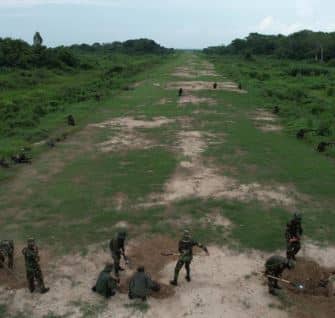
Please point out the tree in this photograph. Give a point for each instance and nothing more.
(38, 41)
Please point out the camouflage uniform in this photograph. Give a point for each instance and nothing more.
(293, 234)
(106, 284)
(33, 269)
(117, 249)
(7, 251)
(141, 285)
(180, 92)
(275, 266)
(185, 248)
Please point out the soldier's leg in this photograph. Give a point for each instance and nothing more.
(2, 260)
(31, 281)
(40, 280)
(272, 283)
(290, 251)
(116, 260)
(11, 260)
(188, 271)
(296, 248)
(177, 269)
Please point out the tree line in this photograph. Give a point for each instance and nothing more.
(301, 45)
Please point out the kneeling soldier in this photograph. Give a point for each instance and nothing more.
(185, 248)
(141, 285)
(275, 266)
(106, 284)
(33, 268)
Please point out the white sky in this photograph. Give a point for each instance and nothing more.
(173, 23)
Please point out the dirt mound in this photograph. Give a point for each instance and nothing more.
(313, 300)
(311, 275)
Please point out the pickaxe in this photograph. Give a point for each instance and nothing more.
(295, 285)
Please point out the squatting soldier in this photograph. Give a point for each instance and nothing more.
(70, 120)
(275, 266)
(33, 268)
(185, 248)
(117, 249)
(141, 285)
(106, 284)
(293, 235)
(7, 251)
(180, 92)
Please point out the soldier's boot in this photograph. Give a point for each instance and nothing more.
(188, 272)
(174, 282)
(44, 290)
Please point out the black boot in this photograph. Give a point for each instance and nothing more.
(44, 290)
(188, 278)
(174, 282)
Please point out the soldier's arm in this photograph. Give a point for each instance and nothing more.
(203, 247)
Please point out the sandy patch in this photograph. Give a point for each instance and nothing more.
(219, 288)
(191, 99)
(163, 101)
(265, 121)
(195, 178)
(127, 137)
(205, 85)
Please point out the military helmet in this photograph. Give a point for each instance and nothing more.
(187, 234)
(31, 240)
(297, 216)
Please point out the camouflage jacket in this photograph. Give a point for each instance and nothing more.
(141, 284)
(7, 247)
(31, 258)
(116, 245)
(185, 248)
(275, 265)
(293, 230)
(105, 283)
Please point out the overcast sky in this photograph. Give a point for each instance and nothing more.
(172, 23)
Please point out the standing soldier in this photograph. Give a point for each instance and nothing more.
(293, 235)
(274, 267)
(180, 92)
(185, 248)
(7, 251)
(33, 268)
(117, 249)
(106, 284)
(215, 85)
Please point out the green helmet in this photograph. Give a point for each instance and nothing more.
(297, 216)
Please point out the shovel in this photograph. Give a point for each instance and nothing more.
(295, 285)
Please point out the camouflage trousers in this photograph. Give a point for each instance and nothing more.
(10, 259)
(116, 260)
(292, 249)
(35, 275)
(272, 283)
(179, 266)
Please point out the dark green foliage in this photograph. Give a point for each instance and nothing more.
(300, 45)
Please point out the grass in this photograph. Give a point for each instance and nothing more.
(75, 205)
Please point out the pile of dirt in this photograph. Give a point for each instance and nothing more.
(310, 275)
(312, 301)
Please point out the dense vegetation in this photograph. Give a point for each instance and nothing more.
(300, 45)
(40, 86)
(284, 72)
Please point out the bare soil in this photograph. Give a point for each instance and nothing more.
(191, 99)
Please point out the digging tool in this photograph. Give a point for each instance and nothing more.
(295, 285)
(174, 254)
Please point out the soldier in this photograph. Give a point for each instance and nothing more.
(293, 234)
(70, 120)
(106, 284)
(33, 268)
(215, 85)
(7, 251)
(141, 285)
(117, 249)
(275, 266)
(180, 92)
(185, 248)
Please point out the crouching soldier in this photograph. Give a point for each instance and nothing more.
(33, 269)
(106, 283)
(141, 285)
(7, 251)
(274, 267)
(185, 248)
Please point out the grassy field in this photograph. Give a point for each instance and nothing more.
(66, 199)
